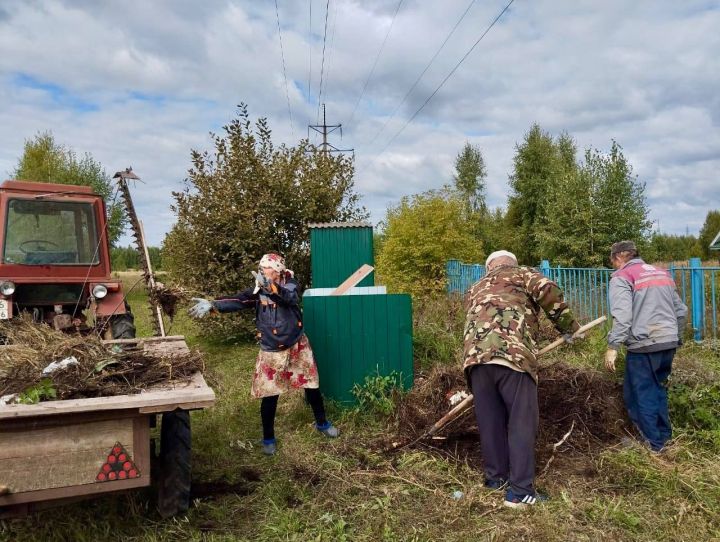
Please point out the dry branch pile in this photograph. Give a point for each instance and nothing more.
(567, 394)
(100, 370)
(168, 297)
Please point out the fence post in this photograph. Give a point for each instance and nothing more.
(545, 267)
(697, 294)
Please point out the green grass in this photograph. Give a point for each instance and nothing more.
(346, 489)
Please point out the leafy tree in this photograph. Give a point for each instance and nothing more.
(421, 233)
(709, 230)
(45, 160)
(470, 174)
(590, 207)
(565, 235)
(495, 233)
(619, 198)
(671, 248)
(539, 162)
(249, 197)
(124, 258)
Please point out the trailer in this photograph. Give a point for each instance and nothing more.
(56, 452)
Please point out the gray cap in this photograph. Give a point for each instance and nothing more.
(623, 246)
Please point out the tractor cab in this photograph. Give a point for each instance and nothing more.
(55, 257)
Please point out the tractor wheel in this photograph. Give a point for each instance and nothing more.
(174, 462)
(122, 326)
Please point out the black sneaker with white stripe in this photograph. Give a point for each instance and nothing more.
(522, 501)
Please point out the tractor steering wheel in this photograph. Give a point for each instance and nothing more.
(37, 241)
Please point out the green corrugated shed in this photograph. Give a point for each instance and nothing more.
(354, 336)
(337, 250)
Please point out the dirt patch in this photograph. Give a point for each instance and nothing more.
(223, 486)
(305, 475)
(569, 396)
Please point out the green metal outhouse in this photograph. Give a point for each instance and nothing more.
(337, 250)
(357, 335)
(364, 332)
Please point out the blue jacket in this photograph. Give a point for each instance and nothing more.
(277, 314)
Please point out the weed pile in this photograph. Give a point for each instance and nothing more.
(101, 370)
(569, 397)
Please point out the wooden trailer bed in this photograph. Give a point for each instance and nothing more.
(66, 449)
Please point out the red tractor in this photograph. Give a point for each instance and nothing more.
(55, 266)
(55, 260)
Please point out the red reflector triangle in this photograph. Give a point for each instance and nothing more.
(118, 465)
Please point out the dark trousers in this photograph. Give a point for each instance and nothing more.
(645, 394)
(506, 408)
(268, 407)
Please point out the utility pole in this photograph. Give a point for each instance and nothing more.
(325, 129)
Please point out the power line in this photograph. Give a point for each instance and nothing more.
(446, 77)
(310, 52)
(282, 55)
(322, 65)
(332, 50)
(415, 84)
(372, 71)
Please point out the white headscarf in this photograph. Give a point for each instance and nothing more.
(499, 254)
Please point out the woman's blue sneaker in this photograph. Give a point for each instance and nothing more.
(269, 447)
(522, 501)
(328, 429)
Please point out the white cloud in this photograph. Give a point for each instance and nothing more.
(138, 83)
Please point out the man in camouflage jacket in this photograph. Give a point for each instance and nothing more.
(500, 363)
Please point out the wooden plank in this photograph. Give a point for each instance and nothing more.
(194, 393)
(59, 469)
(68, 438)
(65, 492)
(141, 340)
(196, 405)
(141, 445)
(42, 422)
(354, 279)
(68, 458)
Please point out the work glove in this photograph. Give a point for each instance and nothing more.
(200, 308)
(610, 357)
(261, 282)
(570, 338)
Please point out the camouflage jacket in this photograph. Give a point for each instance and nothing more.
(502, 317)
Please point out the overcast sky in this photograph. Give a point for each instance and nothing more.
(142, 83)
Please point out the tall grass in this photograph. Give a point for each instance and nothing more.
(438, 323)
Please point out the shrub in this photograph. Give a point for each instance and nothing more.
(378, 393)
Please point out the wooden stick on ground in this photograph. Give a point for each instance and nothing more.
(466, 403)
(556, 446)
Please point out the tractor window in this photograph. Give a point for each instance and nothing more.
(41, 232)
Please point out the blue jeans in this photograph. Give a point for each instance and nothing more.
(645, 394)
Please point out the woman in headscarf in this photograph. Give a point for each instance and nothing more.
(285, 361)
